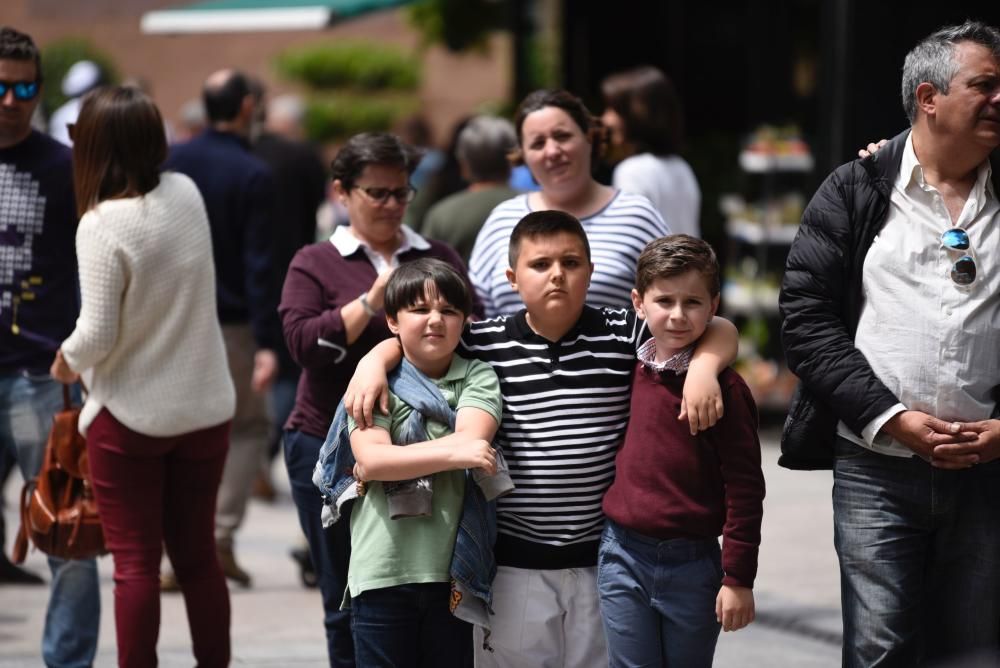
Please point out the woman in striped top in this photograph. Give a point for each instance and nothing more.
(560, 142)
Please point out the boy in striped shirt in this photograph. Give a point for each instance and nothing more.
(565, 373)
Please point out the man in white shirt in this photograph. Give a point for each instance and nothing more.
(891, 300)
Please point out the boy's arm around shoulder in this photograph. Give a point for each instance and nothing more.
(738, 446)
(370, 382)
(702, 404)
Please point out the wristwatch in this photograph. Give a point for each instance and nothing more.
(365, 305)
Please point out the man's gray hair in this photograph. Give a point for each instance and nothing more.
(933, 59)
(483, 146)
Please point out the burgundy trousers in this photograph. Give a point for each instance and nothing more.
(153, 492)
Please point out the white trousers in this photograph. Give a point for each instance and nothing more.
(544, 619)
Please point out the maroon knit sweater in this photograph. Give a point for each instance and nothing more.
(320, 281)
(669, 484)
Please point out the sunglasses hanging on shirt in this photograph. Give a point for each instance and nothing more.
(963, 271)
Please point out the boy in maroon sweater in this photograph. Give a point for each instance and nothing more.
(665, 587)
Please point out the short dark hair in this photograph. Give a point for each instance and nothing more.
(675, 255)
(483, 146)
(408, 284)
(223, 101)
(648, 105)
(591, 127)
(933, 59)
(372, 148)
(545, 224)
(118, 146)
(16, 45)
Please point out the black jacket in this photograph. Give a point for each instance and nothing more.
(821, 301)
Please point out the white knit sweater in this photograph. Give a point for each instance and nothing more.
(148, 341)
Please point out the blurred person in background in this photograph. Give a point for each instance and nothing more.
(644, 116)
(332, 313)
(191, 121)
(446, 179)
(483, 149)
(82, 77)
(299, 189)
(560, 142)
(38, 306)
(238, 189)
(160, 396)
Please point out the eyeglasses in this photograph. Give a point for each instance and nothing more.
(963, 272)
(381, 195)
(23, 90)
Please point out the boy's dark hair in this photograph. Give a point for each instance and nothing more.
(408, 285)
(574, 107)
(648, 105)
(545, 224)
(15, 45)
(224, 101)
(675, 255)
(372, 148)
(118, 147)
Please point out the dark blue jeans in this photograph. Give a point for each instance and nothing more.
(410, 626)
(330, 548)
(919, 552)
(657, 599)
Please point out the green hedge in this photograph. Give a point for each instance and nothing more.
(353, 65)
(339, 117)
(59, 56)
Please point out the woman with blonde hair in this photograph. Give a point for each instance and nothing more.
(149, 348)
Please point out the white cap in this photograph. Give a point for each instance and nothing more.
(80, 78)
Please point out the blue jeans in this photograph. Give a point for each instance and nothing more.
(330, 549)
(410, 626)
(27, 404)
(919, 552)
(657, 598)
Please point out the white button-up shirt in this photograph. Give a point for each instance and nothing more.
(932, 342)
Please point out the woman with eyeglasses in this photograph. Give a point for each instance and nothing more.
(331, 312)
(149, 347)
(560, 141)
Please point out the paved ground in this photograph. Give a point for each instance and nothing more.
(277, 622)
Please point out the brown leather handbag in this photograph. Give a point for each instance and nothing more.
(58, 510)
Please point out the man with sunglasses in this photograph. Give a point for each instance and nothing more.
(891, 303)
(38, 309)
(238, 189)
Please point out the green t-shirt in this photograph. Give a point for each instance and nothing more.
(387, 552)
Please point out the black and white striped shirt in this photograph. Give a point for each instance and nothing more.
(565, 409)
(617, 234)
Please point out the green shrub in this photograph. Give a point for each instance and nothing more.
(59, 56)
(356, 65)
(339, 117)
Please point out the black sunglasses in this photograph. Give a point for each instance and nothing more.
(23, 90)
(963, 272)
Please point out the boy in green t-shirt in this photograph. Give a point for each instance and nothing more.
(399, 583)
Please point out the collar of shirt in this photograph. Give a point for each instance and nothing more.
(677, 363)
(911, 175)
(347, 244)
